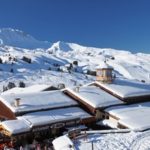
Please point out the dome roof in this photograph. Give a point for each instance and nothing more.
(104, 65)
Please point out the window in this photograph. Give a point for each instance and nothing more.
(99, 73)
(107, 117)
(108, 73)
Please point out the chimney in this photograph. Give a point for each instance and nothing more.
(17, 102)
(77, 89)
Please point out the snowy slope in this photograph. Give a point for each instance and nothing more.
(19, 38)
(46, 63)
(115, 141)
(131, 66)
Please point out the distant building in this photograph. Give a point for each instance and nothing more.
(30, 89)
(104, 73)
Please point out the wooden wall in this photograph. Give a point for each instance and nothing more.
(5, 112)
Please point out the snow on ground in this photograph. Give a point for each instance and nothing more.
(63, 143)
(43, 68)
(38, 72)
(115, 141)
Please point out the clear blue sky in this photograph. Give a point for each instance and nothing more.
(120, 24)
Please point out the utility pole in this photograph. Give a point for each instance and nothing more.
(92, 145)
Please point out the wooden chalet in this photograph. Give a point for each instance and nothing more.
(39, 114)
(44, 124)
(14, 105)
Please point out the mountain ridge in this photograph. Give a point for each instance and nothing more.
(49, 65)
(18, 38)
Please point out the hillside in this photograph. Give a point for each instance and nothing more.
(49, 65)
(21, 39)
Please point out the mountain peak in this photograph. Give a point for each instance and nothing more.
(18, 38)
(59, 45)
(65, 46)
(14, 31)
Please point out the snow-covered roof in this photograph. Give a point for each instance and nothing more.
(15, 126)
(134, 116)
(26, 122)
(96, 97)
(54, 116)
(37, 101)
(104, 65)
(63, 143)
(107, 122)
(30, 89)
(127, 88)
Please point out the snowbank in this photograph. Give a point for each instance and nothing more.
(63, 143)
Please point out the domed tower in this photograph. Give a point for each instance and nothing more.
(104, 73)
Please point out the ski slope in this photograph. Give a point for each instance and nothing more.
(43, 67)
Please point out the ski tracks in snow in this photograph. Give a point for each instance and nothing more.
(142, 142)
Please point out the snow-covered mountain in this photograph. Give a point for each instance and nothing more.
(50, 65)
(19, 38)
(125, 63)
